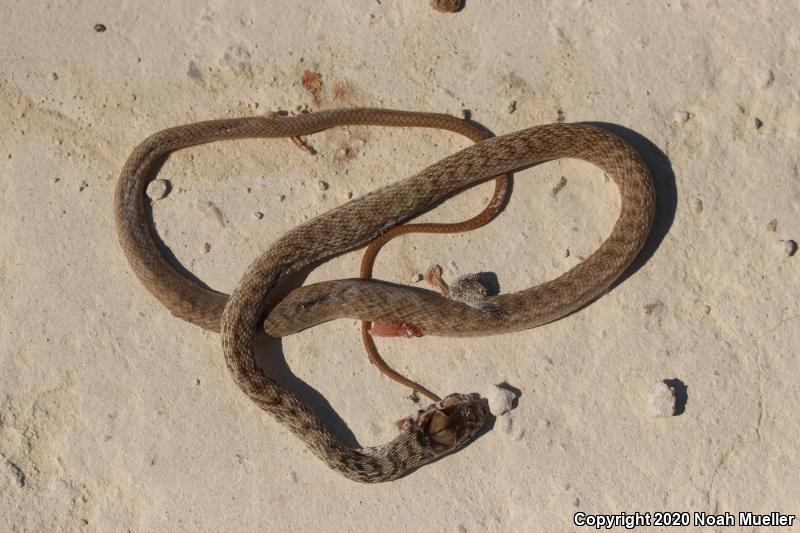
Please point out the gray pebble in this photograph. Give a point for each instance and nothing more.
(681, 116)
(662, 400)
(158, 189)
(469, 288)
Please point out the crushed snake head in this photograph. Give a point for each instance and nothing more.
(447, 425)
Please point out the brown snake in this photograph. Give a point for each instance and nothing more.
(447, 425)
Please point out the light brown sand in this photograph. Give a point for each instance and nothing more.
(116, 416)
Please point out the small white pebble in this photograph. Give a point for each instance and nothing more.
(662, 400)
(789, 247)
(697, 206)
(258, 215)
(417, 278)
(157, 189)
(681, 116)
(772, 225)
(501, 400)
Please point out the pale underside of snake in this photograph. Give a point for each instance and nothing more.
(447, 425)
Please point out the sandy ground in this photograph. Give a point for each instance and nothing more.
(116, 416)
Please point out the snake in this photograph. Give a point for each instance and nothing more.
(443, 427)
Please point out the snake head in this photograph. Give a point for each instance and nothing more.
(447, 425)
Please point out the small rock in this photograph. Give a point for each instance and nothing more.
(349, 195)
(53, 76)
(789, 247)
(772, 225)
(446, 6)
(469, 288)
(758, 123)
(697, 206)
(258, 215)
(662, 400)
(157, 189)
(512, 106)
(281, 197)
(417, 278)
(682, 117)
(323, 185)
(501, 400)
(100, 28)
(206, 247)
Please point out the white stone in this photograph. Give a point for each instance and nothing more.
(157, 189)
(500, 399)
(681, 116)
(662, 400)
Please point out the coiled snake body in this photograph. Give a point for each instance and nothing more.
(447, 425)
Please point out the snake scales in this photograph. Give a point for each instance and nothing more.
(447, 425)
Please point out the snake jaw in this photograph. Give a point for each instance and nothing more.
(447, 425)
